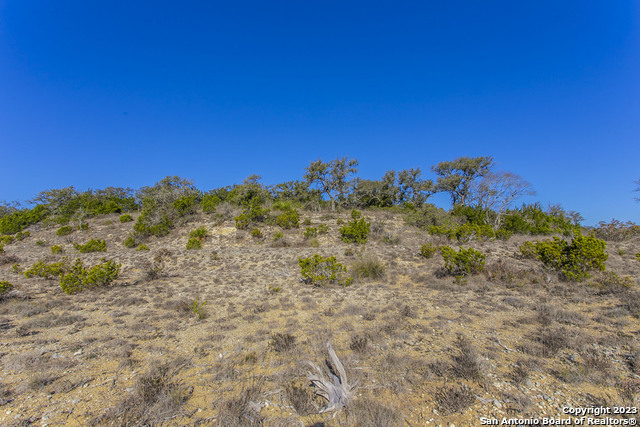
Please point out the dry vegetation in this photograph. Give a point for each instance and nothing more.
(222, 335)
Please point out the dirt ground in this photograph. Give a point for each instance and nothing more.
(422, 348)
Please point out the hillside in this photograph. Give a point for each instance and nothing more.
(221, 335)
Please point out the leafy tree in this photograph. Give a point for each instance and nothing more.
(383, 193)
(457, 177)
(413, 189)
(297, 191)
(332, 178)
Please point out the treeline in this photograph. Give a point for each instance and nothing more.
(482, 199)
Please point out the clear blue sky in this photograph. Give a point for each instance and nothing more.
(123, 93)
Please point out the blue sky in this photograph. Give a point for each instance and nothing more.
(123, 93)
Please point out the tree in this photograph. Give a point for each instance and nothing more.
(497, 192)
(332, 178)
(412, 189)
(382, 193)
(456, 177)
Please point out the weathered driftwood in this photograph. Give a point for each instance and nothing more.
(335, 389)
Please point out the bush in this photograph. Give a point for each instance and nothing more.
(463, 233)
(319, 271)
(130, 242)
(323, 229)
(92, 245)
(64, 230)
(210, 202)
(252, 213)
(616, 231)
(21, 235)
(428, 250)
(194, 243)
(146, 225)
(610, 282)
(19, 220)
(185, 205)
(126, 218)
(46, 271)
(310, 232)
(77, 278)
(55, 249)
(1, 248)
(256, 233)
(367, 267)
(6, 240)
(5, 287)
(427, 216)
(355, 231)
(143, 248)
(574, 261)
(199, 233)
(288, 219)
(463, 262)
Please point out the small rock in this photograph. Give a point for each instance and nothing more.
(78, 353)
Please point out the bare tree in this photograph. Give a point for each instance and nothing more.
(332, 178)
(498, 191)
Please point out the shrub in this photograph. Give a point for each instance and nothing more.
(638, 256)
(278, 236)
(126, 218)
(282, 342)
(92, 245)
(251, 214)
(5, 287)
(319, 271)
(210, 202)
(184, 205)
(194, 243)
(307, 221)
(21, 235)
(428, 250)
(367, 267)
(146, 225)
(310, 232)
(130, 242)
(46, 271)
(323, 229)
(199, 233)
(355, 231)
(463, 233)
(427, 216)
(197, 308)
(55, 249)
(616, 231)
(41, 243)
(77, 277)
(143, 248)
(463, 262)
(574, 261)
(6, 240)
(288, 219)
(256, 233)
(64, 230)
(610, 282)
(19, 220)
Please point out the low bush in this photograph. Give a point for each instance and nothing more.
(46, 271)
(199, 233)
(142, 248)
(93, 245)
(463, 262)
(428, 250)
(6, 240)
(574, 260)
(5, 287)
(288, 219)
(251, 214)
(126, 218)
(610, 282)
(185, 205)
(55, 249)
(616, 231)
(356, 230)
(323, 229)
(21, 235)
(210, 202)
(21, 219)
(282, 343)
(193, 243)
(310, 232)
(64, 230)
(319, 271)
(463, 233)
(78, 278)
(130, 242)
(256, 233)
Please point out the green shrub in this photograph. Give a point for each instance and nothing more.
(197, 308)
(55, 249)
(83, 226)
(323, 229)
(427, 216)
(147, 225)
(502, 234)
(77, 277)
(310, 232)
(92, 245)
(288, 219)
(21, 235)
(319, 271)
(19, 220)
(1, 248)
(256, 233)
(6, 240)
(307, 221)
(357, 230)
(46, 271)
(185, 205)
(367, 266)
(130, 242)
(199, 233)
(64, 230)
(194, 243)
(210, 202)
(463, 262)
(278, 236)
(575, 260)
(428, 250)
(5, 287)
(463, 233)
(126, 218)
(142, 248)
(610, 282)
(638, 256)
(41, 243)
(252, 213)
